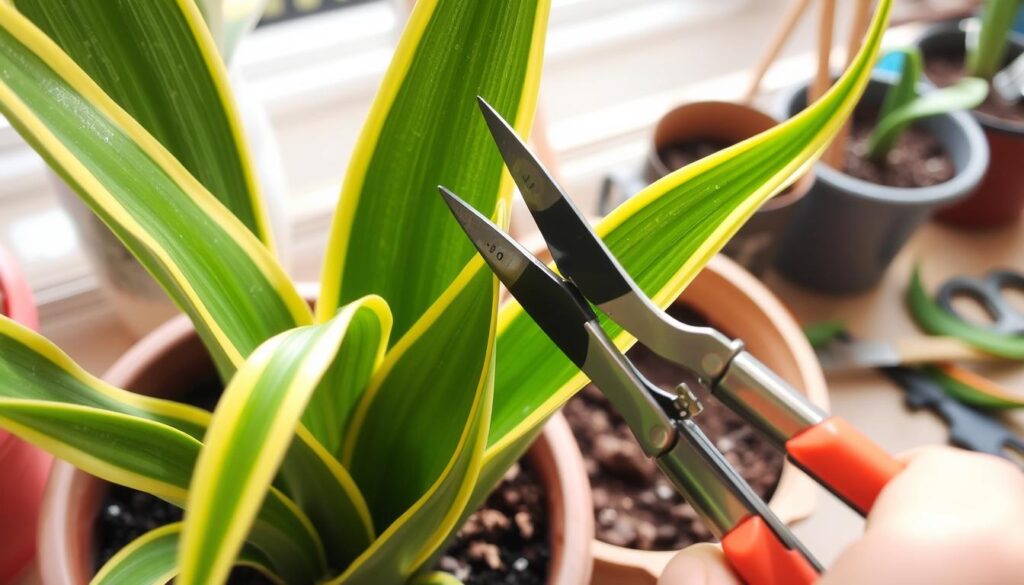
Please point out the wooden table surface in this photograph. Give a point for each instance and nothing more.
(866, 399)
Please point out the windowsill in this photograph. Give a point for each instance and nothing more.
(602, 91)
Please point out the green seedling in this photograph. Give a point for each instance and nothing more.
(903, 105)
(987, 48)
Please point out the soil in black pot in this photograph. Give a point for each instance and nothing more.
(506, 541)
(635, 506)
(917, 159)
(945, 70)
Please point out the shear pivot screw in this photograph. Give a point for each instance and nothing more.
(687, 402)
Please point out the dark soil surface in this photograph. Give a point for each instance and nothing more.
(677, 156)
(946, 70)
(917, 159)
(126, 514)
(635, 506)
(506, 541)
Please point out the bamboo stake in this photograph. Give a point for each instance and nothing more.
(792, 16)
(822, 78)
(861, 12)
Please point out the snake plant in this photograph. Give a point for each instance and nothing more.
(348, 444)
(903, 105)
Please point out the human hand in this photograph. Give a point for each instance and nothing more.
(950, 518)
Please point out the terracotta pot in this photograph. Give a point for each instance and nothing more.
(23, 468)
(173, 358)
(1000, 198)
(754, 245)
(731, 297)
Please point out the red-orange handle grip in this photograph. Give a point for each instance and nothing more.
(759, 558)
(842, 459)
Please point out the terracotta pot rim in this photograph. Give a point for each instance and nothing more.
(793, 485)
(795, 192)
(1015, 44)
(72, 494)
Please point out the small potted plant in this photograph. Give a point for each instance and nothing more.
(980, 48)
(641, 522)
(347, 446)
(910, 151)
(23, 467)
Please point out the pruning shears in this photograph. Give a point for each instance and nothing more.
(760, 548)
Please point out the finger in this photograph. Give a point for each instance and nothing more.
(700, 564)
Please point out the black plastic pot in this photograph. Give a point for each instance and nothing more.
(1000, 198)
(846, 234)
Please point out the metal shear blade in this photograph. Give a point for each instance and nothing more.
(585, 260)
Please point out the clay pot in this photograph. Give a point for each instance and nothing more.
(731, 297)
(1000, 198)
(845, 236)
(23, 468)
(754, 245)
(173, 358)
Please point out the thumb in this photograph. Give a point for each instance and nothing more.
(700, 564)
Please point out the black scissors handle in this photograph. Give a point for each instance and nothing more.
(968, 428)
(989, 293)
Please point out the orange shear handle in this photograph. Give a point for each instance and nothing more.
(759, 558)
(842, 459)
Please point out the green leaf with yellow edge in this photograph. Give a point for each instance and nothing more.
(343, 383)
(33, 368)
(157, 60)
(663, 237)
(159, 460)
(935, 320)
(416, 442)
(391, 234)
(209, 263)
(152, 559)
(252, 428)
(970, 388)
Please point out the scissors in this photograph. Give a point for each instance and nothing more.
(759, 547)
(988, 291)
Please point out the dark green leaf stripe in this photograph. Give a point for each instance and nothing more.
(391, 234)
(32, 368)
(210, 264)
(416, 536)
(252, 428)
(426, 388)
(157, 459)
(149, 455)
(152, 559)
(663, 237)
(343, 383)
(156, 60)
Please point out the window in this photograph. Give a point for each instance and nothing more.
(314, 66)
